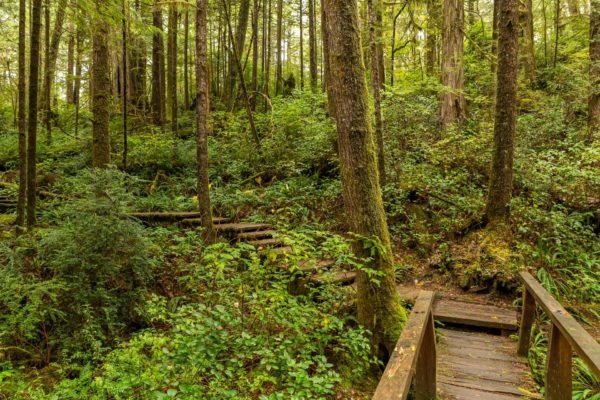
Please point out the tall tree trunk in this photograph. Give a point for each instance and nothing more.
(101, 89)
(158, 83)
(186, 90)
(527, 43)
(312, 42)
(268, 52)
(45, 94)
(556, 31)
(594, 99)
(494, 65)
(379, 308)
(501, 177)
(34, 61)
(77, 82)
(202, 114)
(301, 39)
(52, 45)
(125, 78)
(325, 46)
(70, 60)
(137, 70)
(471, 12)
(374, 10)
(21, 202)
(239, 41)
(172, 66)
(279, 67)
(433, 17)
(255, 15)
(454, 107)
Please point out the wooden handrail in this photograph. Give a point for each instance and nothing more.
(413, 356)
(567, 335)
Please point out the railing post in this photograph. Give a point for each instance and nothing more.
(558, 367)
(527, 317)
(425, 374)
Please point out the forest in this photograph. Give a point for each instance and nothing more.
(235, 199)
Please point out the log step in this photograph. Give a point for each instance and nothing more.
(256, 235)
(172, 216)
(307, 266)
(266, 242)
(218, 222)
(472, 314)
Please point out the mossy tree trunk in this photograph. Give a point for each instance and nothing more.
(22, 118)
(202, 113)
(158, 82)
(34, 55)
(312, 44)
(454, 106)
(172, 66)
(594, 98)
(527, 43)
(431, 41)
(501, 177)
(379, 308)
(101, 89)
(375, 39)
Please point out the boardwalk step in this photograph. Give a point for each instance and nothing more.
(159, 216)
(266, 242)
(256, 235)
(307, 267)
(479, 315)
(233, 227)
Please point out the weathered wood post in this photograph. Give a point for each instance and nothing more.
(559, 382)
(527, 318)
(425, 375)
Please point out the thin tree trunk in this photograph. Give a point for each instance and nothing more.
(594, 98)
(378, 304)
(21, 202)
(186, 89)
(528, 51)
(545, 36)
(125, 98)
(34, 59)
(454, 107)
(172, 66)
(202, 114)
(77, 82)
(158, 83)
(70, 61)
(52, 45)
(137, 66)
(325, 45)
(279, 39)
(101, 90)
(556, 30)
(495, 38)
(269, 52)
(433, 14)
(301, 12)
(45, 78)
(312, 41)
(255, 15)
(374, 39)
(501, 179)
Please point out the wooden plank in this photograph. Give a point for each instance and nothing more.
(266, 242)
(159, 216)
(527, 319)
(559, 383)
(398, 374)
(580, 340)
(471, 314)
(256, 235)
(457, 392)
(239, 227)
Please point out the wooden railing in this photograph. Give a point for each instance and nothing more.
(567, 336)
(413, 356)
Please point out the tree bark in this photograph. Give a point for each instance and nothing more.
(433, 17)
(454, 107)
(202, 114)
(594, 98)
(279, 66)
(52, 45)
(77, 81)
(239, 41)
(137, 70)
(70, 61)
(527, 43)
(22, 197)
(374, 11)
(301, 40)
(125, 79)
(325, 45)
(158, 82)
(379, 308)
(186, 89)
(34, 58)
(255, 15)
(494, 65)
(172, 66)
(312, 43)
(501, 177)
(101, 89)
